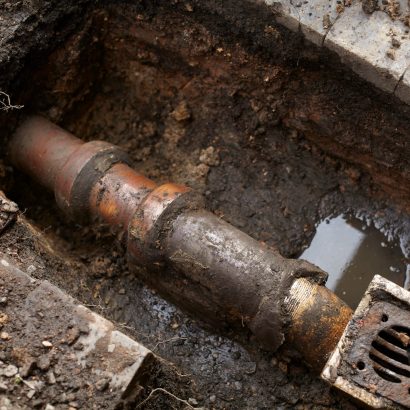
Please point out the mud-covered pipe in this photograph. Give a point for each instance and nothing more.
(246, 278)
(199, 260)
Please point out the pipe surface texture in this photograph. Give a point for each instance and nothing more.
(190, 255)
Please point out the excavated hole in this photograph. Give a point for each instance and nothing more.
(195, 105)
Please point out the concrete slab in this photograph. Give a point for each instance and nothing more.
(374, 46)
(49, 339)
(403, 89)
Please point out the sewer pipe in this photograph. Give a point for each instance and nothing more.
(189, 254)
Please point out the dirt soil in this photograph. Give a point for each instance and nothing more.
(274, 133)
(41, 341)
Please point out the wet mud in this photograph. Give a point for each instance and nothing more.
(254, 120)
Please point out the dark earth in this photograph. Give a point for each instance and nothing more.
(276, 134)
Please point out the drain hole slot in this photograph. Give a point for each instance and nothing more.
(391, 351)
(403, 331)
(386, 374)
(396, 368)
(397, 335)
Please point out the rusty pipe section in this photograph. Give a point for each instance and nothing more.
(198, 260)
(318, 320)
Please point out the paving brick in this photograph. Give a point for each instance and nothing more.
(364, 42)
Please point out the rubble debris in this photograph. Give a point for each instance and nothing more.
(10, 371)
(209, 156)
(181, 112)
(8, 212)
(327, 23)
(395, 43)
(41, 350)
(392, 9)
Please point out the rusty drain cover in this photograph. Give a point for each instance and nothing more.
(390, 354)
(372, 360)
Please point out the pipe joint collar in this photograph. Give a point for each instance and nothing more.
(154, 218)
(82, 170)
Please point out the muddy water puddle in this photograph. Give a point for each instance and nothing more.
(352, 252)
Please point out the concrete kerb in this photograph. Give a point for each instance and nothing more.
(375, 46)
(365, 43)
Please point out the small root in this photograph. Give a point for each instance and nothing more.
(183, 375)
(172, 339)
(159, 389)
(5, 103)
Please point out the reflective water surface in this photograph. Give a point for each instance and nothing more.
(352, 253)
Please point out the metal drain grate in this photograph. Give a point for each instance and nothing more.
(372, 360)
(389, 353)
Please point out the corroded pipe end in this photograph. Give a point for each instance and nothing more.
(39, 148)
(317, 321)
(62, 162)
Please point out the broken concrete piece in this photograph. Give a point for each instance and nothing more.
(8, 212)
(70, 344)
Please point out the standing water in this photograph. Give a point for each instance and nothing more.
(352, 253)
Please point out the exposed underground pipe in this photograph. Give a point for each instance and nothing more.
(218, 272)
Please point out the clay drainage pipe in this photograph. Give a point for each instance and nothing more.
(190, 255)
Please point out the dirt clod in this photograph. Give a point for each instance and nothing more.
(101, 384)
(369, 6)
(181, 112)
(209, 156)
(10, 370)
(43, 362)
